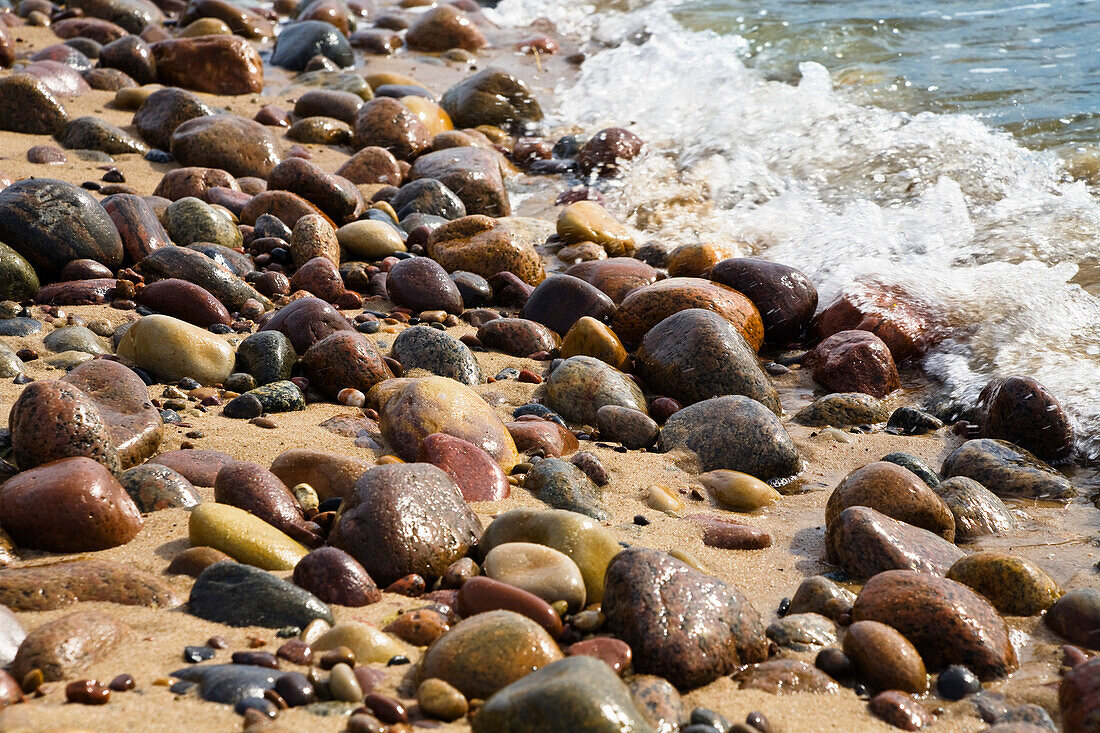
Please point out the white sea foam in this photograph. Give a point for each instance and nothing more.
(995, 235)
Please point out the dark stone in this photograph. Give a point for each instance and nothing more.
(492, 97)
(473, 174)
(561, 485)
(59, 584)
(230, 683)
(241, 595)
(1024, 412)
(197, 268)
(299, 42)
(605, 150)
(237, 145)
(154, 487)
(422, 284)
(307, 321)
(912, 421)
(336, 577)
(843, 409)
(212, 64)
(784, 296)
(132, 56)
(1007, 470)
(1076, 617)
(27, 105)
(341, 360)
(267, 355)
(854, 361)
(423, 347)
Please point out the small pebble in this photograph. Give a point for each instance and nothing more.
(87, 692)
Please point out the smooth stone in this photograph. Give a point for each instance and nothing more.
(659, 701)
(336, 577)
(410, 410)
(589, 337)
(543, 436)
(28, 105)
(483, 595)
(1079, 698)
(903, 321)
(900, 710)
(580, 538)
(10, 364)
(93, 133)
(331, 103)
(75, 338)
(606, 150)
(198, 466)
(330, 474)
(266, 355)
(422, 284)
(370, 240)
(185, 301)
(372, 164)
(896, 492)
(53, 420)
(194, 560)
(517, 336)
(561, 485)
(386, 123)
(854, 361)
(281, 396)
(786, 677)
(736, 433)
(492, 97)
(978, 512)
(67, 360)
(252, 487)
(163, 111)
(342, 360)
(865, 543)
(785, 297)
(884, 659)
(211, 64)
(59, 584)
(229, 684)
(537, 569)
(802, 632)
(731, 535)
(617, 276)
(947, 622)
(478, 476)
(581, 385)
(196, 181)
(681, 623)
(911, 421)
(1007, 470)
(18, 280)
(625, 425)
(473, 174)
(369, 644)
(174, 349)
(20, 326)
(299, 42)
(1015, 586)
(588, 221)
(916, 465)
(428, 197)
(77, 227)
(818, 594)
(195, 267)
(239, 20)
(335, 196)
(405, 518)
(485, 246)
(131, 56)
(189, 220)
(78, 292)
(306, 321)
(420, 627)
(575, 693)
(243, 595)
(441, 700)
(738, 492)
(1023, 411)
(237, 145)
(243, 536)
(560, 300)
(438, 352)
(487, 652)
(154, 487)
(68, 645)
(1076, 617)
(843, 409)
(443, 28)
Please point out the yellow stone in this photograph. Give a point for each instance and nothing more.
(434, 117)
(738, 492)
(206, 27)
(173, 349)
(386, 207)
(692, 260)
(244, 537)
(663, 500)
(381, 78)
(369, 240)
(412, 409)
(684, 556)
(587, 221)
(389, 459)
(131, 98)
(369, 644)
(589, 337)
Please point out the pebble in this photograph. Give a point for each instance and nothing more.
(581, 385)
(422, 284)
(947, 622)
(243, 536)
(864, 542)
(420, 627)
(59, 584)
(483, 594)
(478, 476)
(916, 465)
(645, 307)
(562, 485)
(625, 425)
(266, 355)
(896, 492)
(196, 267)
(785, 297)
(658, 700)
(229, 684)
(517, 336)
(784, 677)
(843, 409)
(243, 595)
(1022, 411)
(368, 644)
(237, 145)
(956, 682)
(252, 487)
(978, 512)
(1015, 586)
(588, 221)
(393, 534)
(854, 361)
(802, 632)
(174, 349)
(335, 577)
(543, 571)
(1076, 617)
(656, 604)
(738, 492)
(341, 360)
(912, 421)
(68, 645)
(487, 247)
(1007, 470)
(423, 347)
(194, 560)
(884, 659)
(87, 692)
(900, 710)
(441, 700)
(492, 97)
(1077, 698)
(342, 684)
(818, 594)
(299, 42)
(154, 487)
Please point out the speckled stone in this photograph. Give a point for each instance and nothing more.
(59, 584)
(484, 246)
(27, 105)
(854, 361)
(1024, 412)
(93, 133)
(896, 492)
(1076, 616)
(1007, 470)
(52, 420)
(802, 632)
(438, 352)
(477, 474)
(1015, 586)
(733, 432)
(581, 385)
(492, 97)
(1079, 698)
(947, 622)
(697, 354)
(267, 355)
(18, 280)
(843, 409)
(134, 424)
(241, 595)
(624, 425)
(916, 465)
(900, 710)
(187, 264)
(281, 396)
(884, 659)
(978, 512)
(189, 220)
(517, 336)
(341, 360)
(561, 485)
(785, 677)
(864, 543)
(912, 421)
(68, 645)
(154, 487)
(235, 144)
(681, 624)
(334, 576)
(163, 111)
(306, 321)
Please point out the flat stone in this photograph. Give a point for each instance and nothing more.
(59, 584)
(242, 595)
(843, 409)
(865, 543)
(68, 645)
(1007, 470)
(243, 536)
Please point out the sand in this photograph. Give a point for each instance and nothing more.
(1059, 539)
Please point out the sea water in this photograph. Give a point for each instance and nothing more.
(948, 148)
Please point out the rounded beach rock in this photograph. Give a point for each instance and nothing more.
(234, 144)
(895, 492)
(884, 659)
(477, 474)
(581, 385)
(1015, 586)
(334, 576)
(1024, 412)
(785, 297)
(854, 361)
(174, 349)
(52, 420)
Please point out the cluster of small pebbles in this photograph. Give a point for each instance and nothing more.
(330, 247)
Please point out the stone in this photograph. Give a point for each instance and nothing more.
(330, 474)
(53, 420)
(428, 197)
(865, 542)
(243, 536)
(369, 239)
(736, 433)
(405, 518)
(68, 645)
(588, 221)
(517, 336)
(738, 492)
(902, 320)
(342, 360)
(487, 652)
(911, 421)
(429, 349)
(978, 512)
(1015, 586)
(242, 595)
(229, 683)
(1024, 412)
(75, 338)
(76, 226)
(589, 337)
(371, 164)
(443, 28)
(631, 428)
(313, 237)
(410, 410)
(818, 594)
(542, 437)
(1076, 617)
(561, 300)
(478, 476)
(154, 487)
(947, 622)
(237, 145)
(60, 584)
(606, 150)
(252, 487)
(1077, 698)
(239, 20)
(368, 644)
(189, 220)
(132, 15)
(659, 701)
(473, 174)
(543, 571)
(854, 361)
(486, 247)
(786, 676)
(843, 409)
(617, 277)
(10, 364)
(884, 659)
(785, 297)
(174, 349)
(210, 64)
(681, 623)
(305, 322)
(422, 284)
(299, 42)
(93, 133)
(330, 103)
(18, 280)
(581, 385)
(900, 710)
(575, 693)
(336, 197)
(198, 466)
(321, 278)
(480, 594)
(1007, 470)
(386, 123)
(731, 535)
(697, 354)
(562, 485)
(184, 300)
(896, 492)
(194, 560)
(441, 700)
(698, 258)
(27, 105)
(492, 97)
(336, 577)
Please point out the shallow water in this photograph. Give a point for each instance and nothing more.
(998, 238)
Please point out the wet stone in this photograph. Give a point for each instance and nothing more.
(581, 385)
(27, 105)
(299, 42)
(784, 677)
(20, 326)
(517, 336)
(865, 543)
(492, 97)
(818, 594)
(154, 487)
(1024, 412)
(69, 645)
(229, 683)
(59, 584)
(900, 710)
(93, 133)
(916, 465)
(854, 361)
(477, 475)
(281, 396)
(1007, 470)
(1076, 617)
(234, 144)
(896, 492)
(422, 347)
(843, 409)
(335, 577)
(562, 485)
(1015, 586)
(884, 659)
(802, 632)
(912, 421)
(267, 355)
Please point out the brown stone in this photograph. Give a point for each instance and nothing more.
(200, 467)
(337, 197)
(193, 181)
(472, 173)
(372, 164)
(517, 336)
(444, 27)
(60, 584)
(884, 659)
(306, 321)
(211, 64)
(69, 645)
(344, 359)
(330, 474)
(479, 244)
(902, 320)
(334, 576)
(854, 361)
(386, 123)
(240, 146)
(896, 492)
(184, 300)
(477, 474)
